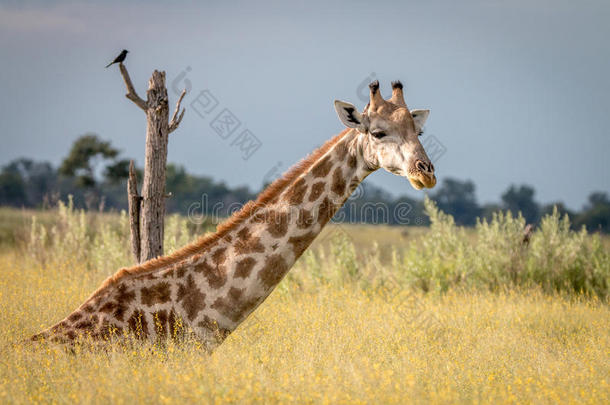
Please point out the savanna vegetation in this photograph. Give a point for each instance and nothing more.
(369, 314)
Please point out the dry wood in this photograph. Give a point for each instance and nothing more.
(146, 212)
(153, 186)
(173, 124)
(131, 92)
(134, 211)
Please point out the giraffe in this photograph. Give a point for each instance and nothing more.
(213, 284)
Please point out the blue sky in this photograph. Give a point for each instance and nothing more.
(519, 91)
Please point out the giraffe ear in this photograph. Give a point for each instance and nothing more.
(419, 118)
(350, 117)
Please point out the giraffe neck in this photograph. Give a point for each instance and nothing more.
(215, 284)
(260, 251)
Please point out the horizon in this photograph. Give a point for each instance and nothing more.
(256, 190)
(508, 106)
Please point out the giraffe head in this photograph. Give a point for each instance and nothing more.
(389, 135)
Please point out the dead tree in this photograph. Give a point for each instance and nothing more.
(146, 212)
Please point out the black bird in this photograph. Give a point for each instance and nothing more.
(119, 58)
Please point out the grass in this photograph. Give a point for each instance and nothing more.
(350, 324)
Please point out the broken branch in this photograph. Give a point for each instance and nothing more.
(131, 91)
(175, 121)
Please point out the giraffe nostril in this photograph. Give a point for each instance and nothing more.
(431, 167)
(421, 166)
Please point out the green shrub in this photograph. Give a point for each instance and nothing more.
(560, 259)
(96, 240)
(492, 256)
(556, 259)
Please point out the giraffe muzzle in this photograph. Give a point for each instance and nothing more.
(423, 175)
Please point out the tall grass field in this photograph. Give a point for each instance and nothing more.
(369, 314)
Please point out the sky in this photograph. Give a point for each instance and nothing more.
(519, 91)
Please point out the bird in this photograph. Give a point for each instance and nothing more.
(119, 58)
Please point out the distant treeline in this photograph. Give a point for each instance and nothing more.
(96, 178)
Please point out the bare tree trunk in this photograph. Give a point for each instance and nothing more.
(133, 198)
(147, 212)
(153, 186)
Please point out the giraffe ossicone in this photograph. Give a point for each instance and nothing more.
(213, 284)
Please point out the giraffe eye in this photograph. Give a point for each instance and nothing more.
(378, 134)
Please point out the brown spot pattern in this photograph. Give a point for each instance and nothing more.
(191, 297)
(160, 321)
(215, 275)
(305, 219)
(247, 243)
(322, 168)
(277, 225)
(137, 323)
(219, 256)
(181, 271)
(352, 162)
(75, 316)
(244, 267)
(260, 217)
(123, 297)
(108, 307)
(107, 330)
(297, 192)
(156, 294)
(326, 210)
(166, 323)
(169, 273)
(301, 243)
(338, 186)
(274, 269)
(208, 323)
(86, 324)
(341, 150)
(220, 333)
(316, 191)
(243, 233)
(234, 305)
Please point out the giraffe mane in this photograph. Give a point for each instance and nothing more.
(266, 196)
